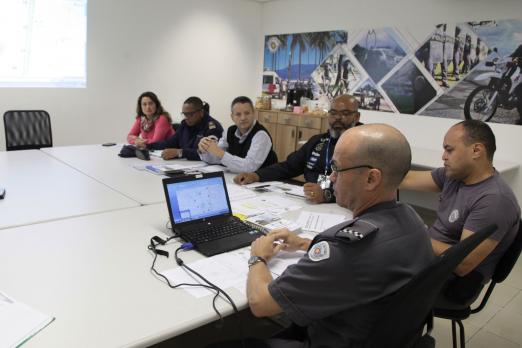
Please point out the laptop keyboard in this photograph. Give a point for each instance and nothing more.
(214, 232)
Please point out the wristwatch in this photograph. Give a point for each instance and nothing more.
(327, 195)
(255, 259)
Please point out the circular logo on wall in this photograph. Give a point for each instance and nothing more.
(454, 216)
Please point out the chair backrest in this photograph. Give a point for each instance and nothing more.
(510, 257)
(403, 320)
(27, 129)
(175, 126)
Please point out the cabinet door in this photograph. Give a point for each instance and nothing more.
(304, 134)
(272, 129)
(285, 142)
(269, 121)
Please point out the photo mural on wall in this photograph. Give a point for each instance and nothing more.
(305, 64)
(462, 70)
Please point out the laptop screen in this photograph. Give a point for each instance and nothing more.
(197, 199)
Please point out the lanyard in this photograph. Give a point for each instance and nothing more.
(326, 160)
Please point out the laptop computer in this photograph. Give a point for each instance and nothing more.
(199, 210)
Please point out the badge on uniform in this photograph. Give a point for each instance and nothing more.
(211, 125)
(319, 251)
(324, 181)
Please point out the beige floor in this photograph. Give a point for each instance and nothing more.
(498, 325)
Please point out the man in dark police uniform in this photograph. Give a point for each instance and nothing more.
(196, 125)
(339, 288)
(313, 158)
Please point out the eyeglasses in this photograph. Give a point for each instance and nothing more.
(189, 113)
(341, 113)
(337, 170)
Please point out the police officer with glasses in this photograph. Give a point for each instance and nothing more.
(314, 158)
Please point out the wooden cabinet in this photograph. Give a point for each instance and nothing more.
(285, 141)
(290, 131)
(269, 120)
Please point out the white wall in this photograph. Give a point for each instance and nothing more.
(207, 48)
(293, 16)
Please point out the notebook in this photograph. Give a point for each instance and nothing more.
(199, 210)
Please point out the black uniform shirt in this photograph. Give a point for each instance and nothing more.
(335, 289)
(309, 160)
(187, 137)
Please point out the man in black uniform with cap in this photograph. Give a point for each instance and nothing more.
(313, 158)
(339, 288)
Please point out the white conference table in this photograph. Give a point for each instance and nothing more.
(92, 274)
(41, 188)
(104, 165)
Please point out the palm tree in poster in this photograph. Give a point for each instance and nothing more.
(283, 43)
(299, 41)
(322, 42)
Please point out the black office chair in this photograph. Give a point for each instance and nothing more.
(410, 308)
(27, 129)
(175, 126)
(457, 313)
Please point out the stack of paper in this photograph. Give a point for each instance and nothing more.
(19, 322)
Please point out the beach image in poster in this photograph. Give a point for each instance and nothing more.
(290, 60)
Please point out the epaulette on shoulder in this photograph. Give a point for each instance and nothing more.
(356, 231)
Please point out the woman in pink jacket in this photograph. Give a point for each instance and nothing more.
(152, 123)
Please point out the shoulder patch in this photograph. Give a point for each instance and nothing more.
(211, 125)
(356, 231)
(319, 251)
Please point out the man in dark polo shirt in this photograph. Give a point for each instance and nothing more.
(313, 158)
(473, 196)
(338, 290)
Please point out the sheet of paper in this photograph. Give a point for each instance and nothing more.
(155, 153)
(213, 168)
(227, 270)
(284, 259)
(19, 322)
(211, 269)
(318, 222)
(272, 204)
(238, 193)
(184, 164)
